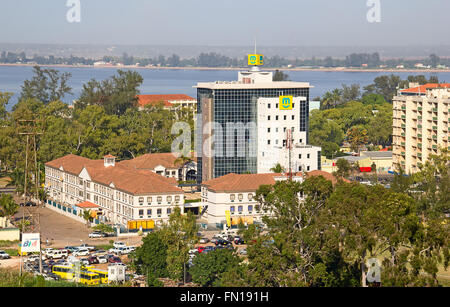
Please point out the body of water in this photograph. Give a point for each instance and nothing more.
(169, 81)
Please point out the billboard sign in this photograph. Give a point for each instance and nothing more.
(255, 59)
(286, 102)
(30, 242)
(228, 217)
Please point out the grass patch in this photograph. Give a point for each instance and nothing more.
(12, 251)
(105, 247)
(8, 243)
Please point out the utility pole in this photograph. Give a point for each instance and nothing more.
(30, 127)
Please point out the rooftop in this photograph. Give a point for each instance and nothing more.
(126, 179)
(251, 182)
(167, 100)
(423, 88)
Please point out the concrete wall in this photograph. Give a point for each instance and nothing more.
(9, 234)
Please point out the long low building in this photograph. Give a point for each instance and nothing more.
(123, 194)
(234, 195)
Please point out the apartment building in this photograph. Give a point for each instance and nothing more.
(170, 101)
(420, 124)
(122, 193)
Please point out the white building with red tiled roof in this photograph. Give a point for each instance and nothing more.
(235, 193)
(169, 101)
(123, 194)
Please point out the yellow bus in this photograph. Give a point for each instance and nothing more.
(67, 272)
(102, 273)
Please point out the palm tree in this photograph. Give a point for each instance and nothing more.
(8, 206)
(87, 217)
(357, 136)
(43, 195)
(277, 169)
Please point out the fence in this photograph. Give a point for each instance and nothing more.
(69, 212)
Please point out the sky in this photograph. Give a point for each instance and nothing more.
(227, 22)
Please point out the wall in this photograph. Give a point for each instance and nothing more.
(9, 234)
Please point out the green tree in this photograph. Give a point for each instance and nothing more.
(8, 206)
(47, 85)
(150, 258)
(280, 76)
(343, 168)
(357, 136)
(277, 169)
(208, 268)
(87, 216)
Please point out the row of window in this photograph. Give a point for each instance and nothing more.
(158, 199)
(240, 209)
(150, 211)
(284, 117)
(276, 105)
(241, 197)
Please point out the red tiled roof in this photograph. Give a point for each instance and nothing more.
(126, 179)
(144, 100)
(150, 161)
(425, 87)
(87, 205)
(251, 182)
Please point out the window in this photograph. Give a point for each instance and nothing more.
(232, 197)
(232, 209)
(308, 156)
(293, 117)
(141, 201)
(268, 142)
(293, 105)
(141, 213)
(250, 196)
(276, 105)
(257, 208)
(159, 199)
(149, 212)
(177, 199)
(300, 156)
(276, 117)
(169, 199)
(240, 209)
(158, 212)
(268, 106)
(268, 117)
(307, 168)
(250, 209)
(88, 196)
(268, 130)
(285, 117)
(169, 211)
(149, 200)
(240, 197)
(300, 141)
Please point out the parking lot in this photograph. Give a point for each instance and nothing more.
(62, 231)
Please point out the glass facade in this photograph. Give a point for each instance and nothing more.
(238, 106)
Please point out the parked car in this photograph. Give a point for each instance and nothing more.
(86, 246)
(47, 251)
(119, 244)
(93, 260)
(193, 251)
(243, 251)
(81, 252)
(84, 261)
(96, 234)
(208, 249)
(114, 259)
(239, 241)
(222, 242)
(204, 240)
(71, 249)
(30, 204)
(58, 254)
(4, 255)
(102, 259)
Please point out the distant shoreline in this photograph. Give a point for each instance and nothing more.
(339, 69)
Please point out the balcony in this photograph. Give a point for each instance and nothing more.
(403, 116)
(434, 118)
(419, 136)
(419, 108)
(435, 109)
(435, 128)
(403, 126)
(419, 145)
(434, 147)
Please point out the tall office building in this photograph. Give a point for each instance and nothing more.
(420, 124)
(243, 126)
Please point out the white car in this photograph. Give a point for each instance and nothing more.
(86, 246)
(58, 254)
(81, 252)
(47, 251)
(102, 259)
(4, 255)
(96, 235)
(119, 244)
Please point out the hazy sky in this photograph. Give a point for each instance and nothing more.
(227, 22)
